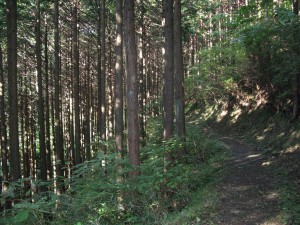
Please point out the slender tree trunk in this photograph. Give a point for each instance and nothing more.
(103, 77)
(47, 105)
(41, 116)
(3, 130)
(110, 85)
(99, 68)
(59, 148)
(132, 87)
(119, 128)
(141, 72)
(178, 71)
(15, 171)
(168, 97)
(297, 83)
(76, 83)
(88, 108)
(27, 130)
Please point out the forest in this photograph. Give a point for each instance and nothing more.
(135, 111)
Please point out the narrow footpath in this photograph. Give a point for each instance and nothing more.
(248, 192)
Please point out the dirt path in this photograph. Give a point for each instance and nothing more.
(248, 192)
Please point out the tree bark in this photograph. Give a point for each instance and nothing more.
(119, 128)
(168, 97)
(76, 83)
(297, 83)
(103, 77)
(59, 148)
(141, 72)
(178, 71)
(47, 105)
(132, 88)
(3, 130)
(41, 116)
(88, 108)
(15, 171)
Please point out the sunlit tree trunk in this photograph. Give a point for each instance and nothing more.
(119, 120)
(132, 87)
(141, 71)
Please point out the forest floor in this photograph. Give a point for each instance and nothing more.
(249, 192)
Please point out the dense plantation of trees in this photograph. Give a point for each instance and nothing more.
(83, 81)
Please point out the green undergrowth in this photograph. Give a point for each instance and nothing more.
(275, 136)
(177, 185)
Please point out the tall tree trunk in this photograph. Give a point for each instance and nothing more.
(47, 104)
(103, 77)
(41, 116)
(119, 120)
(110, 84)
(3, 130)
(88, 107)
(59, 148)
(297, 83)
(168, 97)
(132, 87)
(178, 71)
(99, 68)
(76, 83)
(141, 72)
(15, 171)
(119, 127)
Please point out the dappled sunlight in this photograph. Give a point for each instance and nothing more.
(249, 193)
(260, 138)
(235, 115)
(253, 156)
(242, 188)
(221, 116)
(272, 195)
(292, 148)
(267, 163)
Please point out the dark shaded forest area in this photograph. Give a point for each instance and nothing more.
(110, 111)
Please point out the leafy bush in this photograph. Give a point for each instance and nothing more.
(100, 191)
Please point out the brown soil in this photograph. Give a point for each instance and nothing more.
(248, 192)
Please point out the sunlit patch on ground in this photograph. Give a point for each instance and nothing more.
(267, 163)
(272, 195)
(253, 156)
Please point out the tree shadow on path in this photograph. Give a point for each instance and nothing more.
(248, 192)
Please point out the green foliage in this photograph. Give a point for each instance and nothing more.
(217, 74)
(290, 199)
(258, 54)
(169, 183)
